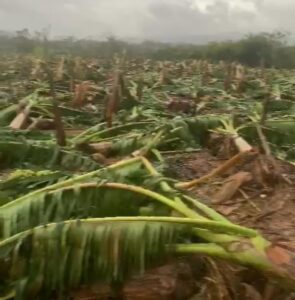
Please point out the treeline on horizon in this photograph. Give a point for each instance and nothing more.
(255, 50)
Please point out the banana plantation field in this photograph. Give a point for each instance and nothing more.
(144, 180)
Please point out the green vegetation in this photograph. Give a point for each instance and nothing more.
(86, 193)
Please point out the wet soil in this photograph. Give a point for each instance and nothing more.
(266, 203)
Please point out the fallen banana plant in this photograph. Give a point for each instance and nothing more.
(229, 129)
(48, 246)
(78, 223)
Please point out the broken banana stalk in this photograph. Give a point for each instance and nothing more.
(232, 162)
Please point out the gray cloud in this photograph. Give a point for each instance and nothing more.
(168, 20)
(183, 20)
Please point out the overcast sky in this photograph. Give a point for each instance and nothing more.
(166, 20)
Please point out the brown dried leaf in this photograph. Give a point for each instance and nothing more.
(227, 210)
(231, 186)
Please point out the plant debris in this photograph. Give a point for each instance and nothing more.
(129, 176)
